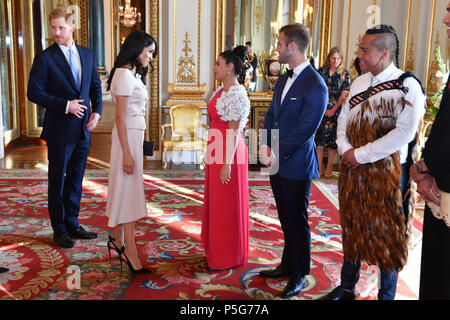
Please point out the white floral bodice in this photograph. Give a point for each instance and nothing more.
(233, 105)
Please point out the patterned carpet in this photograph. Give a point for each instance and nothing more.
(168, 241)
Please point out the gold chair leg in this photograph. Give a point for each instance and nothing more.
(165, 159)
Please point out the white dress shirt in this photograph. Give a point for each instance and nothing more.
(65, 51)
(406, 125)
(297, 70)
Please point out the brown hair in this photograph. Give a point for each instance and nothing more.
(297, 33)
(326, 63)
(61, 13)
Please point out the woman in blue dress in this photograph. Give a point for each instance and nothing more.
(338, 82)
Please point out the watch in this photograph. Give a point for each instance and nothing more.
(420, 169)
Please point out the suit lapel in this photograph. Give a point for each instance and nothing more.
(83, 65)
(279, 93)
(63, 64)
(292, 89)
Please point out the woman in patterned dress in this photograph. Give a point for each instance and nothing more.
(338, 82)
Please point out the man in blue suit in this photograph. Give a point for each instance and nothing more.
(299, 103)
(64, 80)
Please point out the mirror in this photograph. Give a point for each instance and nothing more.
(258, 21)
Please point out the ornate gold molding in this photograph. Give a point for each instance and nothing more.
(220, 31)
(183, 92)
(352, 69)
(259, 14)
(326, 32)
(430, 42)
(348, 34)
(154, 78)
(32, 129)
(432, 78)
(408, 23)
(186, 72)
(410, 64)
(11, 86)
(82, 33)
(187, 76)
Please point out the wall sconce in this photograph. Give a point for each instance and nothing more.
(307, 12)
(129, 14)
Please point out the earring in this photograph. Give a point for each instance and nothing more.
(229, 72)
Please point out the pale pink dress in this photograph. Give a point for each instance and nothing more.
(126, 198)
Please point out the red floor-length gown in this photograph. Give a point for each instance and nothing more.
(226, 206)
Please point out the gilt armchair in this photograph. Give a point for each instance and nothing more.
(186, 133)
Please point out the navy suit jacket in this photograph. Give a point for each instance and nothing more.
(297, 120)
(51, 85)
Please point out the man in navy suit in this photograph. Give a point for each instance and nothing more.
(298, 105)
(64, 80)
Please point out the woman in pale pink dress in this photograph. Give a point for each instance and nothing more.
(126, 198)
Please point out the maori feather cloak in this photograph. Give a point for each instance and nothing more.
(371, 213)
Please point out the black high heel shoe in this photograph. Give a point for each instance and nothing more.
(134, 271)
(112, 245)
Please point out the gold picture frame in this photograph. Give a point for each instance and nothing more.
(9, 85)
(324, 33)
(257, 115)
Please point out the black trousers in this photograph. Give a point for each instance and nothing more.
(435, 264)
(292, 199)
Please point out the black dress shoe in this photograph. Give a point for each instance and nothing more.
(278, 272)
(294, 287)
(63, 240)
(80, 233)
(339, 293)
(3, 270)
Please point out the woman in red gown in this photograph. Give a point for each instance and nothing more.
(226, 199)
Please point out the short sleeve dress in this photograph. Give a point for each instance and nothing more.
(126, 197)
(225, 225)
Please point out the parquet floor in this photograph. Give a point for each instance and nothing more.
(35, 157)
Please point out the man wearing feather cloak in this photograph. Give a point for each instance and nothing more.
(379, 119)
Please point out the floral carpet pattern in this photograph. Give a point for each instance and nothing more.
(168, 241)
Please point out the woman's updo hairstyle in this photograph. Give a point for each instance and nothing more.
(238, 57)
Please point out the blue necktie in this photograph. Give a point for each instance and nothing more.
(74, 68)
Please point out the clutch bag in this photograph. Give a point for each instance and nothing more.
(149, 147)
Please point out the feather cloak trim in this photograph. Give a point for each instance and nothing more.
(371, 212)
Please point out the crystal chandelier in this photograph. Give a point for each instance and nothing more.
(129, 14)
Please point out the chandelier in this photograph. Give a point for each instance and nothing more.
(129, 14)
